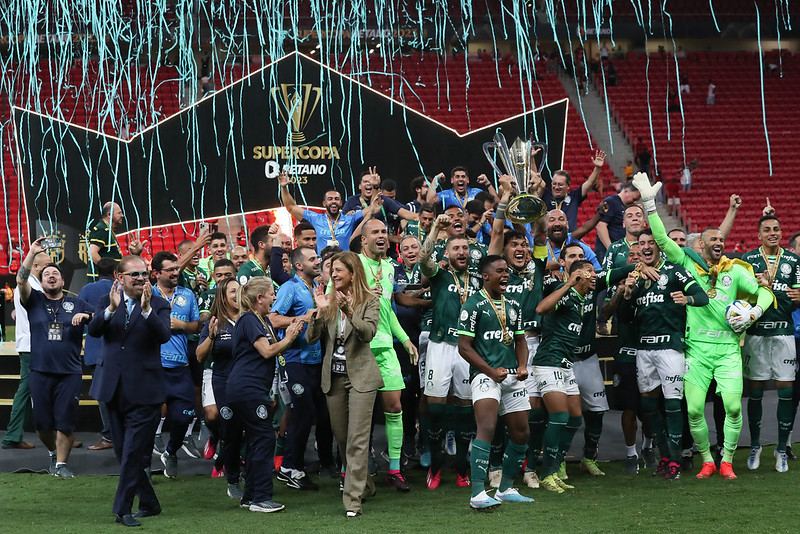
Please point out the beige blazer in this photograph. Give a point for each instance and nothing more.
(362, 369)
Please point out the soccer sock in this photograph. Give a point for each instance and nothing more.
(647, 443)
(630, 450)
(437, 414)
(479, 465)
(191, 426)
(513, 459)
(674, 428)
(394, 438)
(591, 435)
(695, 405)
(733, 424)
(573, 424)
(465, 429)
(650, 407)
(160, 425)
(784, 417)
(537, 422)
(61, 464)
(754, 414)
(498, 446)
(556, 424)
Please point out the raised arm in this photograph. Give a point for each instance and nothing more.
(550, 302)
(649, 192)
(499, 224)
(287, 199)
(203, 239)
(23, 286)
(730, 217)
(598, 161)
(426, 263)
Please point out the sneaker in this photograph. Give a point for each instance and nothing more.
(210, 448)
(283, 474)
(754, 460)
(217, 473)
(433, 479)
(631, 465)
(562, 484)
(235, 492)
(463, 481)
(562, 471)
(531, 479)
(511, 495)
(399, 482)
(425, 459)
(789, 454)
(244, 503)
(649, 457)
(590, 466)
(673, 471)
(687, 460)
(190, 447)
(661, 470)
(450, 443)
(781, 462)
(726, 471)
(170, 462)
(482, 501)
(63, 472)
(52, 468)
(549, 483)
(494, 477)
(302, 482)
(266, 506)
(352, 513)
(158, 444)
(709, 468)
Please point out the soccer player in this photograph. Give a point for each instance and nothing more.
(634, 222)
(259, 264)
(491, 339)
(444, 367)
(239, 256)
(460, 193)
(658, 314)
(421, 227)
(769, 351)
(712, 344)
(457, 225)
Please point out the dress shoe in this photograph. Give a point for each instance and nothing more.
(128, 521)
(146, 512)
(102, 445)
(77, 444)
(18, 445)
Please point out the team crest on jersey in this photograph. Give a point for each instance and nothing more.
(262, 411)
(298, 389)
(475, 254)
(226, 413)
(68, 306)
(180, 300)
(475, 283)
(727, 281)
(786, 269)
(464, 315)
(662, 281)
(512, 315)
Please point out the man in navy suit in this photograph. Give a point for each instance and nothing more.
(129, 379)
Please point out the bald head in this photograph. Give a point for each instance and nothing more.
(112, 214)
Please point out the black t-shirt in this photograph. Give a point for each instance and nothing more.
(569, 205)
(222, 351)
(251, 374)
(614, 219)
(48, 354)
(408, 317)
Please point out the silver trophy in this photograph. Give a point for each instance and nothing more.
(518, 161)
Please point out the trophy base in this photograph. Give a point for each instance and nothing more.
(525, 208)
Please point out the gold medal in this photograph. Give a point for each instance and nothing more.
(463, 293)
(507, 339)
(712, 293)
(334, 243)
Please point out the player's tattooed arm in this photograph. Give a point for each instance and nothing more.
(426, 263)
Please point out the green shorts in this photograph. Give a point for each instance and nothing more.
(390, 370)
(723, 363)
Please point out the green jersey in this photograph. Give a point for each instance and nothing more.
(525, 287)
(415, 277)
(476, 252)
(626, 343)
(249, 270)
(189, 279)
(479, 320)
(448, 290)
(205, 300)
(660, 322)
(786, 269)
(617, 254)
(707, 324)
(382, 273)
(413, 228)
(560, 332)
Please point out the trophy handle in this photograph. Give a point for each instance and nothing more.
(543, 146)
(490, 157)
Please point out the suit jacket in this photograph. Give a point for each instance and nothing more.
(130, 357)
(362, 369)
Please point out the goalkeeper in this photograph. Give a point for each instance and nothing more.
(712, 344)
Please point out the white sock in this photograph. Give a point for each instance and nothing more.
(52, 453)
(631, 450)
(61, 464)
(191, 426)
(647, 443)
(160, 424)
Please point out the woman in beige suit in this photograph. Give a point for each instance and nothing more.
(347, 316)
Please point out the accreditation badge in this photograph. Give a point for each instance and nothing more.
(55, 332)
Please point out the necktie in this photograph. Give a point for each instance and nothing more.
(129, 303)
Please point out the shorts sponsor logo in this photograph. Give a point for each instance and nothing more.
(262, 411)
(599, 394)
(298, 389)
(190, 413)
(226, 413)
(673, 379)
(68, 306)
(790, 361)
(429, 384)
(521, 393)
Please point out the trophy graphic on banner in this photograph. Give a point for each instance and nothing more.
(519, 161)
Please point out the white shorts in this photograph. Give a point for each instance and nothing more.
(530, 383)
(444, 367)
(769, 358)
(208, 390)
(590, 382)
(424, 338)
(510, 394)
(673, 201)
(555, 380)
(663, 368)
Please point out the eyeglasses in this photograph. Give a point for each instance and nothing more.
(137, 274)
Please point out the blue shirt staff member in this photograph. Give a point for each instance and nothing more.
(333, 227)
(56, 323)
(255, 346)
(129, 379)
